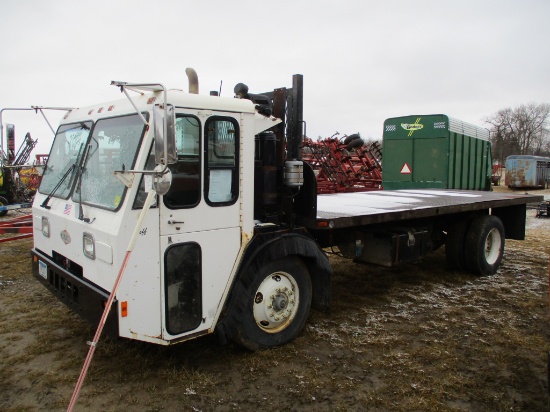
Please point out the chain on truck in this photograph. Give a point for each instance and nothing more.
(233, 243)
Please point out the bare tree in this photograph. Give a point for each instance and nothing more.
(522, 130)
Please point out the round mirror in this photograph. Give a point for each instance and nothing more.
(162, 179)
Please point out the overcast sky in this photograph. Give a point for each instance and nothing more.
(363, 61)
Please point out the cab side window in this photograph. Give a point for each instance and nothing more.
(186, 180)
(221, 186)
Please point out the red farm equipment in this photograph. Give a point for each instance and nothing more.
(15, 185)
(344, 164)
(20, 227)
(13, 178)
(19, 180)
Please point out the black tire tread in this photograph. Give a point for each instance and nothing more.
(241, 326)
(355, 144)
(351, 137)
(454, 245)
(475, 245)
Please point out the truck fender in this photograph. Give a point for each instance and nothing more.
(263, 249)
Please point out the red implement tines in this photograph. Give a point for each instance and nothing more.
(348, 166)
(21, 224)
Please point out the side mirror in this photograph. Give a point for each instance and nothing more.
(165, 140)
(162, 180)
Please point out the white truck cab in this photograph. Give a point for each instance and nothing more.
(192, 238)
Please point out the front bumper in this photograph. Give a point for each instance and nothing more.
(80, 295)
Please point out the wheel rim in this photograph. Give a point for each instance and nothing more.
(493, 245)
(276, 302)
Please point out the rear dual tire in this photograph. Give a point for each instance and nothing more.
(476, 245)
(454, 246)
(484, 245)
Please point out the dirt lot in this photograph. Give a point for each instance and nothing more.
(419, 337)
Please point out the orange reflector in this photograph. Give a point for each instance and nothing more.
(124, 309)
(322, 224)
(35, 258)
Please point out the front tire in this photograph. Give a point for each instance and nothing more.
(484, 245)
(272, 308)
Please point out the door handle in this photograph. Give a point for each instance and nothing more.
(174, 222)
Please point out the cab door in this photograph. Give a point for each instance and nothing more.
(200, 220)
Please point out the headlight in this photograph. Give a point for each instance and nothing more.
(45, 226)
(88, 246)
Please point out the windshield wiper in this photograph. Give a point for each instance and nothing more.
(79, 179)
(45, 202)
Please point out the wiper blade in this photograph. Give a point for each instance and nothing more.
(45, 202)
(79, 179)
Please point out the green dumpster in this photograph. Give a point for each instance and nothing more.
(435, 151)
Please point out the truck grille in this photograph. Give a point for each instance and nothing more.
(70, 266)
(64, 287)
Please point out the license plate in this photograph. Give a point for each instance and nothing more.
(43, 269)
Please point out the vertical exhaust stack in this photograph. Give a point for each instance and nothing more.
(193, 80)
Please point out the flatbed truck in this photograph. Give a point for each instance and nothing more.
(235, 240)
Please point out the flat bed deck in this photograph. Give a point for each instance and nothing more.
(343, 210)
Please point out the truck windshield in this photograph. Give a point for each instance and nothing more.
(113, 146)
(67, 149)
